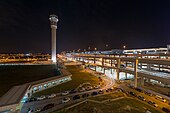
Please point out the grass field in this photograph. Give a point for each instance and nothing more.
(78, 77)
(108, 96)
(125, 105)
(20, 74)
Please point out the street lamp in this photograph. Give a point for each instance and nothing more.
(107, 46)
(124, 47)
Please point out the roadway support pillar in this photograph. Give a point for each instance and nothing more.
(111, 63)
(117, 70)
(140, 66)
(102, 62)
(149, 80)
(125, 75)
(142, 81)
(126, 64)
(135, 72)
(149, 67)
(132, 64)
(94, 60)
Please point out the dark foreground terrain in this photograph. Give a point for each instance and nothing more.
(20, 74)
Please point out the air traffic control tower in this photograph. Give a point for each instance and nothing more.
(53, 20)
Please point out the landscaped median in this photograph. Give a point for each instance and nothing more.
(102, 98)
(78, 77)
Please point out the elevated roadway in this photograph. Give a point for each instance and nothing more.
(114, 62)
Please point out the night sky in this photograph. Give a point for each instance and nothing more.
(25, 27)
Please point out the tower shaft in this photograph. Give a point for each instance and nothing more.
(53, 43)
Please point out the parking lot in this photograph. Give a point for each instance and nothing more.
(146, 96)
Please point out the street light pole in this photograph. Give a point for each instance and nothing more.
(106, 46)
(124, 47)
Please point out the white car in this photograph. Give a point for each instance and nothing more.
(41, 97)
(155, 105)
(65, 93)
(30, 111)
(89, 88)
(37, 110)
(65, 100)
(82, 89)
(97, 87)
(52, 96)
(160, 98)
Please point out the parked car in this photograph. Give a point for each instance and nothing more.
(97, 87)
(73, 91)
(101, 92)
(152, 103)
(94, 93)
(65, 93)
(120, 89)
(89, 88)
(37, 110)
(85, 95)
(48, 106)
(155, 105)
(52, 96)
(138, 89)
(109, 89)
(65, 100)
(82, 89)
(41, 97)
(160, 98)
(76, 97)
(31, 99)
(141, 98)
(30, 110)
(166, 110)
(131, 86)
(148, 93)
(132, 93)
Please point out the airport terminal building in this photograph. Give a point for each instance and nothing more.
(14, 99)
